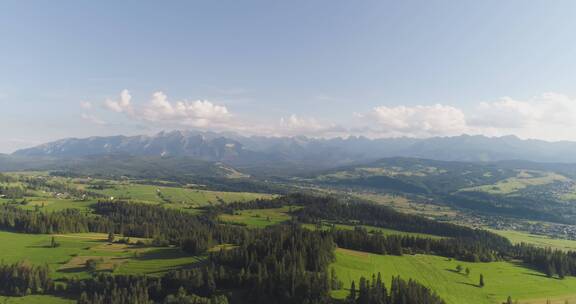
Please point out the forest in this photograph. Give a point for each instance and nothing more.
(281, 264)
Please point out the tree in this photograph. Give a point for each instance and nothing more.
(91, 265)
(335, 284)
(467, 271)
(481, 284)
(459, 268)
(110, 237)
(509, 300)
(352, 295)
(53, 243)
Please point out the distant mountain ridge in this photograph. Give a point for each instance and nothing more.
(240, 150)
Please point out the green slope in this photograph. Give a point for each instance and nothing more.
(502, 278)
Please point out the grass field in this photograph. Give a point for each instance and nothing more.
(404, 205)
(523, 179)
(502, 279)
(259, 217)
(371, 229)
(183, 196)
(50, 196)
(517, 237)
(158, 261)
(178, 198)
(50, 204)
(69, 258)
(36, 299)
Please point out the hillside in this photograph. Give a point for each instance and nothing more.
(521, 190)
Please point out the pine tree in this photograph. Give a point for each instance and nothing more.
(363, 294)
(335, 284)
(352, 295)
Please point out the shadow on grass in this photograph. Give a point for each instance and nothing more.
(469, 284)
(41, 246)
(541, 275)
(455, 271)
(537, 272)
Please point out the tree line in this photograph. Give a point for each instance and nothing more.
(23, 278)
(401, 292)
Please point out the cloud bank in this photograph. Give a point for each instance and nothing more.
(159, 110)
(418, 121)
(550, 116)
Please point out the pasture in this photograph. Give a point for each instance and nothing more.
(517, 237)
(35, 299)
(370, 229)
(175, 195)
(50, 204)
(523, 179)
(58, 193)
(259, 218)
(404, 205)
(70, 257)
(502, 279)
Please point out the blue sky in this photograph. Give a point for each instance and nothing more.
(318, 68)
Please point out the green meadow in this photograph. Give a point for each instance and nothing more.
(48, 199)
(502, 279)
(523, 179)
(70, 257)
(183, 196)
(404, 205)
(50, 204)
(259, 218)
(371, 229)
(517, 237)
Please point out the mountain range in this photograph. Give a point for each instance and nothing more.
(255, 151)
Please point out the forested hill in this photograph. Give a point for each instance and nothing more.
(516, 189)
(413, 175)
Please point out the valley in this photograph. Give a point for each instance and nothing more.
(525, 206)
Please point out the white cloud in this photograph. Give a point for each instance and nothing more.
(417, 120)
(122, 105)
(549, 116)
(549, 108)
(198, 113)
(88, 116)
(546, 116)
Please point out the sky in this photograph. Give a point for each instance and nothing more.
(320, 68)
